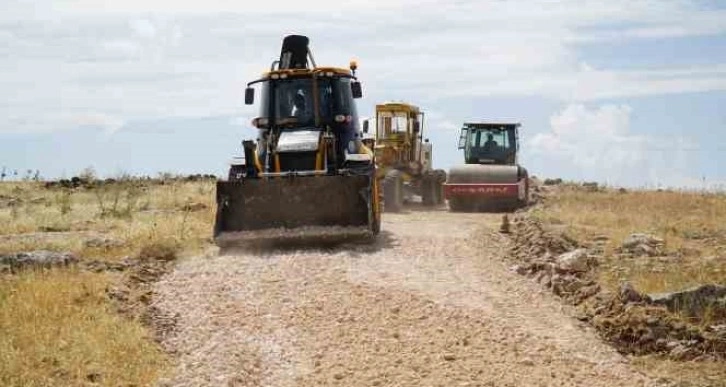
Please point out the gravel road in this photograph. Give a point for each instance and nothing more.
(433, 303)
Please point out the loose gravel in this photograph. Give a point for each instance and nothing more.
(431, 303)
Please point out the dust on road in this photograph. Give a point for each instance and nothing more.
(431, 304)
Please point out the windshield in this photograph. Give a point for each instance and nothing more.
(390, 123)
(489, 140)
(490, 143)
(294, 100)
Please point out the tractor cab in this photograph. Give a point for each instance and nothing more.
(489, 143)
(308, 169)
(303, 108)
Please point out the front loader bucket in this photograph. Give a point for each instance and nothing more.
(292, 207)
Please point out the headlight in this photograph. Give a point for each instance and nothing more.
(352, 146)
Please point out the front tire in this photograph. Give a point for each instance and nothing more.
(428, 190)
(376, 208)
(393, 191)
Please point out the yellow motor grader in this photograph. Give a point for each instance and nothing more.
(404, 157)
(308, 173)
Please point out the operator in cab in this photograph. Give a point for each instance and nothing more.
(490, 144)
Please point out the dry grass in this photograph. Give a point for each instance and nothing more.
(693, 229)
(691, 224)
(127, 213)
(56, 329)
(687, 374)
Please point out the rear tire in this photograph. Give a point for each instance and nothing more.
(428, 190)
(392, 191)
(440, 179)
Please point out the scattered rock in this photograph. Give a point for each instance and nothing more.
(564, 285)
(642, 245)
(683, 352)
(104, 242)
(631, 321)
(36, 259)
(586, 292)
(601, 238)
(718, 330)
(575, 261)
(94, 377)
(628, 294)
(100, 266)
(449, 357)
(693, 301)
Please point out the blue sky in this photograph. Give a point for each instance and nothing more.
(625, 92)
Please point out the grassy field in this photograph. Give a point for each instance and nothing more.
(57, 327)
(694, 233)
(691, 225)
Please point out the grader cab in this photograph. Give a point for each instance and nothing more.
(404, 157)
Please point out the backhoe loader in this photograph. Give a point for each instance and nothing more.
(308, 173)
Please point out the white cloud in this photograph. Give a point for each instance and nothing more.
(143, 28)
(124, 60)
(597, 144)
(217, 6)
(145, 59)
(107, 124)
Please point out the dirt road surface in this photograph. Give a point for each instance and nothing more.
(433, 303)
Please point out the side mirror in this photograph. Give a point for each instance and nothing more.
(356, 89)
(462, 138)
(365, 126)
(249, 96)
